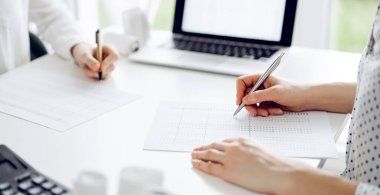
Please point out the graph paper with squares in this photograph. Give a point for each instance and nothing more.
(182, 126)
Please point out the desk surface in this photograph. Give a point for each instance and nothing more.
(114, 140)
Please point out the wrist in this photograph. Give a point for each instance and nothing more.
(304, 102)
(74, 48)
(292, 181)
(78, 49)
(310, 181)
(311, 97)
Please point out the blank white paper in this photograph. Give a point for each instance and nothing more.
(183, 126)
(55, 100)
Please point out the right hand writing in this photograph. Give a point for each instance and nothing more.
(273, 97)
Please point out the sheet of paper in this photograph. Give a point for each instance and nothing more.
(183, 126)
(56, 100)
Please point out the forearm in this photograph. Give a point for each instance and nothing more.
(317, 182)
(56, 25)
(334, 97)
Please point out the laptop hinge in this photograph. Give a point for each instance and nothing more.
(181, 37)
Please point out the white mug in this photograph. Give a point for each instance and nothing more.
(125, 44)
(136, 24)
(90, 183)
(139, 180)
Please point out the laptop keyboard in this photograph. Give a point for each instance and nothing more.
(225, 48)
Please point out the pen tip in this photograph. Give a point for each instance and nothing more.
(100, 74)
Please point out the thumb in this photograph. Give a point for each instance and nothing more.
(265, 95)
(90, 62)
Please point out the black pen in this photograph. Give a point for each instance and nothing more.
(99, 53)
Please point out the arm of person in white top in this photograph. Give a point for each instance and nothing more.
(60, 29)
(240, 162)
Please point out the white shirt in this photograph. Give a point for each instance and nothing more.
(363, 145)
(54, 22)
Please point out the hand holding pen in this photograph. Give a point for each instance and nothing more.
(261, 80)
(86, 57)
(273, 97)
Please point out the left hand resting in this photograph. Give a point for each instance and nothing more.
(242, 163)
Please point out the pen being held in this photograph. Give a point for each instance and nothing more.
(99, 53)
(85, 55)
(261, 80)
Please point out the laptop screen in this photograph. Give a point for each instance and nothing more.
(250, 19)
(268, 22)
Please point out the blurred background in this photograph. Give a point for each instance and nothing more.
(328, 24)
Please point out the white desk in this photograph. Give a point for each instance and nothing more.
(114, 140)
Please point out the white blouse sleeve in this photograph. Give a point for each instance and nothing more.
(367, 189)
(56, 25)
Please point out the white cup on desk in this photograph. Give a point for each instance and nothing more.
(125, 44)
(136, 24)
(90, 183)
(140, 181)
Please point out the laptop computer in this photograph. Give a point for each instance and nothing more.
(233, 37)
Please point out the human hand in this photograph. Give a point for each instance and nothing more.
(244, 164)
(85, 56)
(273, 97)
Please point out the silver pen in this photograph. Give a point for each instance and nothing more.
(261, 80)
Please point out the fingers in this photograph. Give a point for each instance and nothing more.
(209, 155)
(108, 71)
(217, 145)
(241, 88)
(86, 57)
(271, 108)
(88, 60)
(275, 111)
(230, 140)
(210, 158)
(263, 110)
(242, 84)
(252, 109)
(265, 95)
(208, 167)
(94, 74)
(89, 72)
(110, 56)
